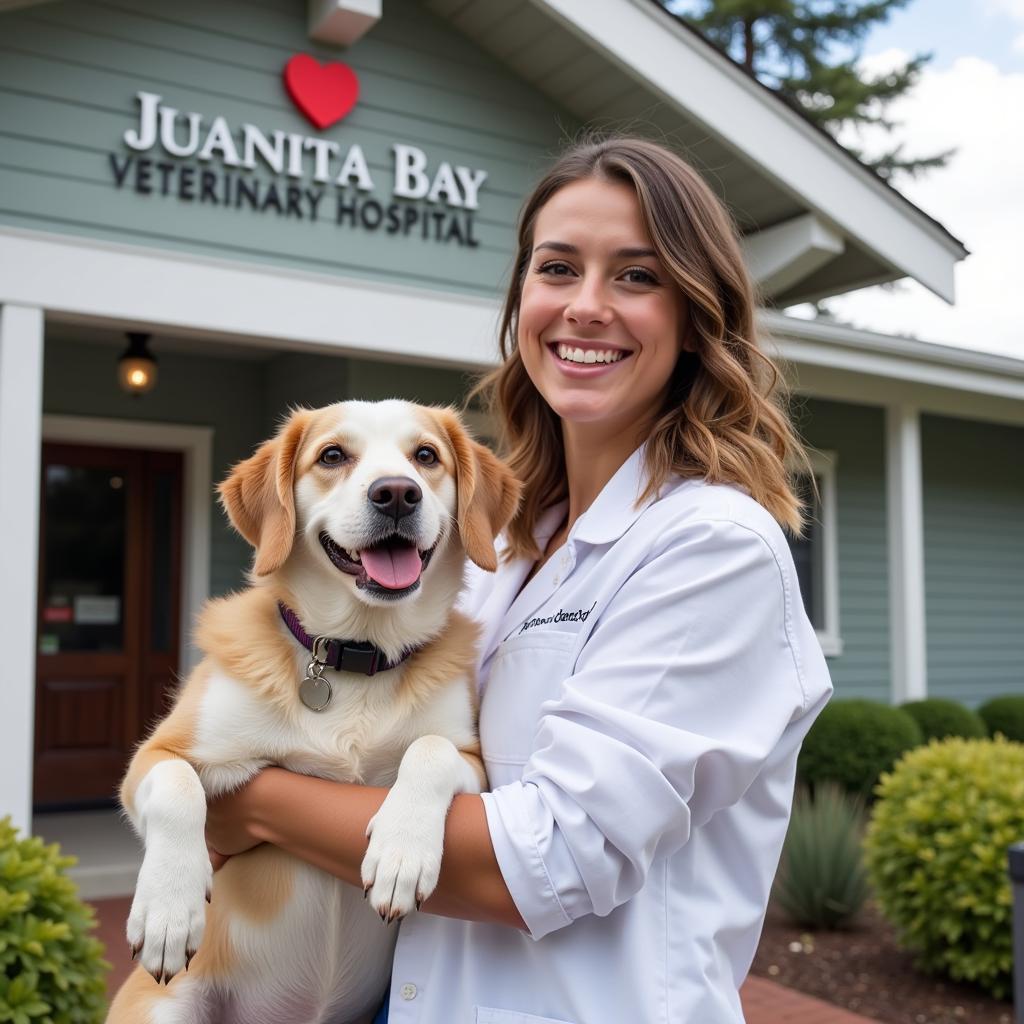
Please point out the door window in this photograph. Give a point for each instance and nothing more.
(84, 559)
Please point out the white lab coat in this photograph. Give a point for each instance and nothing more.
(643, 702)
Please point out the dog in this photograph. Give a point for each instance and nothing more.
(346, 659)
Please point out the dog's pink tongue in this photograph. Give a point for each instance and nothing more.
(395, 567)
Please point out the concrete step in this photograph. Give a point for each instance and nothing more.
(109, 854)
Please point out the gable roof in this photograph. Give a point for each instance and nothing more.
(630, 63)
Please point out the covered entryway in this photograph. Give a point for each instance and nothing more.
(108, 625)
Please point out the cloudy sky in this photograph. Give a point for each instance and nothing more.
(971, 97)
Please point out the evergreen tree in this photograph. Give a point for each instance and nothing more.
(807, 50)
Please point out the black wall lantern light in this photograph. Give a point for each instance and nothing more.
(136, 369)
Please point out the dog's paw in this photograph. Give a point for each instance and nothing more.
(403, 858)
(168, 914)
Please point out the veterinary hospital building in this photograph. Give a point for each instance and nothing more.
(288, 202)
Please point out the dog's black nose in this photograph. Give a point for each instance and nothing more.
(395, 496)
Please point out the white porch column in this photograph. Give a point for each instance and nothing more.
(21, 407)
(906, 554)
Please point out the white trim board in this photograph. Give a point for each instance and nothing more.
(908, 631)
(196, 443)
(84, 280)
(781, 256)
(21, 400)
(81, 278)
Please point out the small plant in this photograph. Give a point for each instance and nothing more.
(1004, 715)
(822, 881)
(853, 742)
(939, 719)
(51, 969)
(936, 855)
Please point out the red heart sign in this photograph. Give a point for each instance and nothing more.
(325, 93)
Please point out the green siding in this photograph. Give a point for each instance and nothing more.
(974, 558)
(856, 434)
(430, 385)
(295, 378)
(242, 400)
(973, 496)
(69, 73)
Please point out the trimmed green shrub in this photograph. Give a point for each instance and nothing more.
(51, 969)
(822, 881)
(853, 741)
(939, 718)
(1004, 715)
(936, 855)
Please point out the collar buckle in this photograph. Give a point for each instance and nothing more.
(360, 657)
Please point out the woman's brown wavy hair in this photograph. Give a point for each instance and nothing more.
(724, 415)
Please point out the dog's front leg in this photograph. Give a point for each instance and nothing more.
(165, 800)
(406, 835)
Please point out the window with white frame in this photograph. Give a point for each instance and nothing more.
(816, 553)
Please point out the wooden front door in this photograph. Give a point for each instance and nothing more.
(108, 617)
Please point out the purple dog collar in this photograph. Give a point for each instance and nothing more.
(344, 655)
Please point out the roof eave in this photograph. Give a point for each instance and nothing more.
(893, 362)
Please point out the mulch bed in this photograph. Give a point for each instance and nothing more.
(864, 971)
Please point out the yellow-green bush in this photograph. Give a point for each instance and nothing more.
(936, 854)
(51, 969)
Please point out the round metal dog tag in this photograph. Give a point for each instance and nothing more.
(315, 693)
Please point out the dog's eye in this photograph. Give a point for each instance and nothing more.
(426, 456)
(332, 456)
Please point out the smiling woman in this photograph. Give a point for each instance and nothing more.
(600, 320)
(624, 252)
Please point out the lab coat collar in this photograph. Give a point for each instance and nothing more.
(616, 508)
(549, 520)
(612, 513)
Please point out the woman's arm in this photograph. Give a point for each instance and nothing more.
(324, 823)
(700, 673)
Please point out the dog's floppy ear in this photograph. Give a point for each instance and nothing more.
(259, 498)
(488, 492)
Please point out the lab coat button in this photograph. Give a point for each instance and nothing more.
(556, 580)
(408, 991)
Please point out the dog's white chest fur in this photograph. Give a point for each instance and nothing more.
(358, 737)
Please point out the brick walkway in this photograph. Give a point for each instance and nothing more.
(764, 1002)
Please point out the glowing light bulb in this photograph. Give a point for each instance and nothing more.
(136, 369)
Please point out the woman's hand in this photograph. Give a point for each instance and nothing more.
(232, 820)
